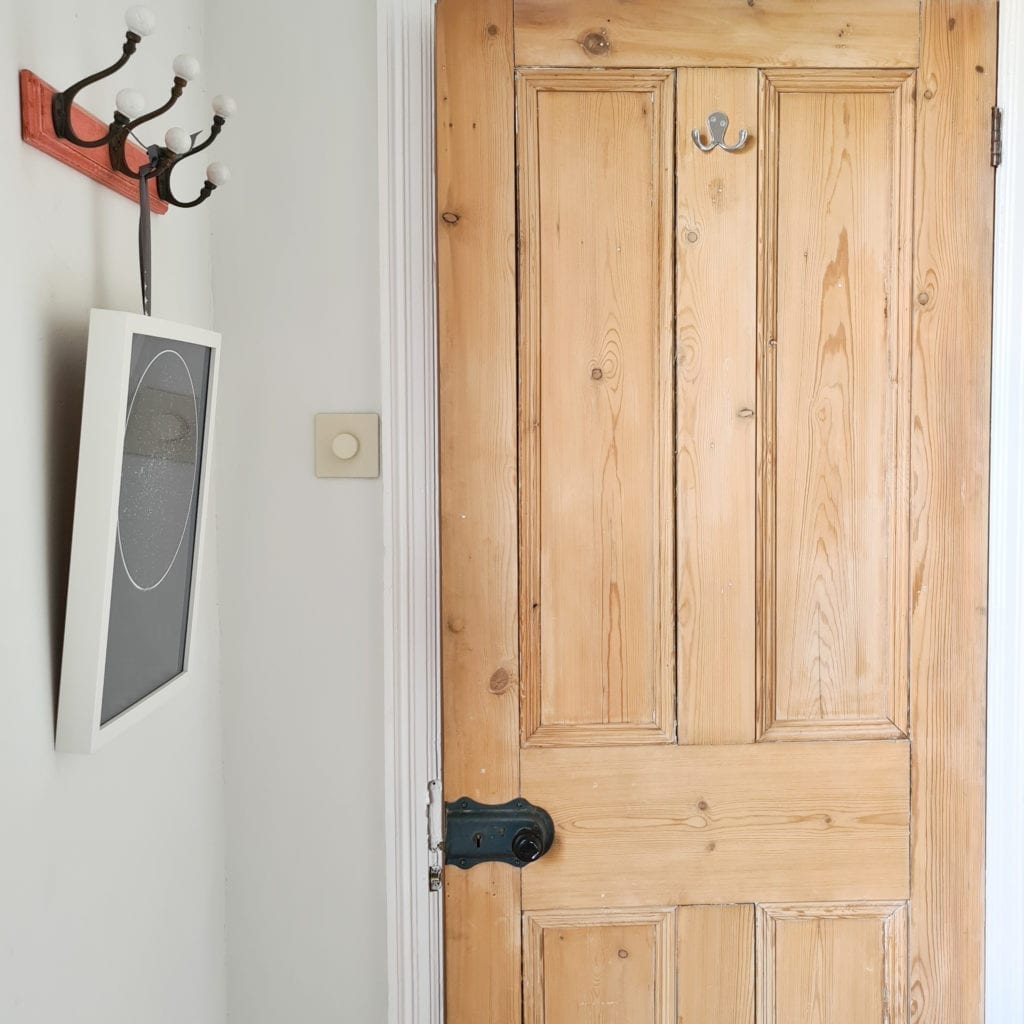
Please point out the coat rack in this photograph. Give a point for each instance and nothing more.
(52, 122)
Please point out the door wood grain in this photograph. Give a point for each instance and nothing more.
(716, 964)
(717, 33)
(716, 403)
(477, 438)
(748, 823)
(952, 302)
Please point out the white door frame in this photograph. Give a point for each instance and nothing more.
(409, 422)
(408, 283)
(1004, 854)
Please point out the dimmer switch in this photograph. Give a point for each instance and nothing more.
(347, 444)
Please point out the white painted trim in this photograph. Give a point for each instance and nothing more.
(408, 330)
(1004, 927)
(405, 47)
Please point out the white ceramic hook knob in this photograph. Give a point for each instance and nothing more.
(224, 106)
(140, 20)
(178, 141)
(130, 102)
(186, 66)
(218, 174)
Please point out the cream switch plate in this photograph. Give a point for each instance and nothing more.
(347, 444)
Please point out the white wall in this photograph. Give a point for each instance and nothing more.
(295, 279)
(111, 866)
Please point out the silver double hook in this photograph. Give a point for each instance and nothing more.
(718, 124)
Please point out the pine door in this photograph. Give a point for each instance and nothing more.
(714, 439)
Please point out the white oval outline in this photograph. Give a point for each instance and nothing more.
(195, 472)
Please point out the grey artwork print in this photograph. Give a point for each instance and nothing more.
(162, 464)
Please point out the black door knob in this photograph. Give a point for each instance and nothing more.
(528, 844)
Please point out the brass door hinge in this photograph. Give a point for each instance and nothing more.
(997, 136)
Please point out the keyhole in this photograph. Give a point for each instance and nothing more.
(478, 840)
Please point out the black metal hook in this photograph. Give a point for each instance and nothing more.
(63, 101)
(122, 127)
(162, 159)
(163, 175)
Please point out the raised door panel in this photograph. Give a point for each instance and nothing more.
(837, 161)
(596, 517)
(833, 964)
(600, 967)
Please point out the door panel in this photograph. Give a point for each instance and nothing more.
(596, 530)
(838, 167)
(713, 445)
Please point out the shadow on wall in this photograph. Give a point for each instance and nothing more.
(65, 344)
(66, 341)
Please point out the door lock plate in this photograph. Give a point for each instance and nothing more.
(515, 833)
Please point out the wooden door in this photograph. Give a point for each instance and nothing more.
(714, 441)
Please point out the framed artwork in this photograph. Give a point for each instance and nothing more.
(140, 511)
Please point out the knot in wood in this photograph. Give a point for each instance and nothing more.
(596, 43)
(500, 681)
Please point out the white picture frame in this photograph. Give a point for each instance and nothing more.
(96, 540)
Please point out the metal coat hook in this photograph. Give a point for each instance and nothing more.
(131, 114)
(159, 161)
(718, 124)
